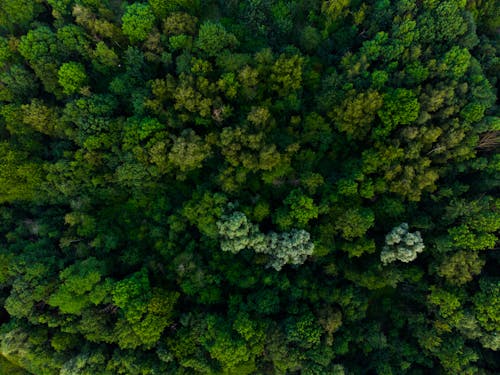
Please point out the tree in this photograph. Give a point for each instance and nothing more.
(286, 248)
(359, 247)
(303, 330)
(331, 320)
(444, 21)
(400, 107)
(204, 210)
(232, 353)
(286, 74)
(302, 208)
(213, 38)
(487, 302)
(237, 234)
(85, 363)
(354, 222)
(105, 58)
(18, 84)
(310, 39)
(461, 267)
(161, 8)
(138, 22)
(146, 311)
(20, 178)
(179, 23)
(188, 151)
(42, 51)
(18, 14)
(334, 9)
(80, 287)
(455, 63)
(72, 77)
(74, 39)
(355, 115)
(401, 245)
(28, 347)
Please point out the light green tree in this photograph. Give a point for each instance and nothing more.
(461, 267)
(302, 207)
(286, 74)
(401, 245)
(355, 115)
(146, 311)
(72, 77)
(213, 37)
(354, 222)
(17, 13)
(188, 151)
(286, 248)
(21, 176)
(487, 304)
(138, 21)
(80, 287)
(400, 107)
(237, 233)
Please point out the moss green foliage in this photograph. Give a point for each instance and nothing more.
(249, 187)
(8, 368)
(71, 77)
(138, 21)
(213, 38)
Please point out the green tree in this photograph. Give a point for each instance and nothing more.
(179, 23)
(401, 245)
(80, 287)
(146, 311)
(400, 107)
(188, 151)
(42, 51)
(355, 115)
(304, 330)
(21, 175)
(302, 208)
(18, 14)
(18, 84)
(286, 74)
(74, 39)
(138, 21)
(461, 267)
(353, 222)
(487, 303)
(204, 210)
(310, 39)
(213, 38)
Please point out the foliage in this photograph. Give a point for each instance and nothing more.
(401, 245)
(71, 77)
(237, 234)
(213, 38)
(138, 21)
(218, 187)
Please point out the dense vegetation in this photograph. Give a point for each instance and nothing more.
(249, 186)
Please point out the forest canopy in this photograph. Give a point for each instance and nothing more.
(249, 187)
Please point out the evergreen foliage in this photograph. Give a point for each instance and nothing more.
(249, 187)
